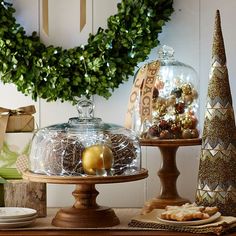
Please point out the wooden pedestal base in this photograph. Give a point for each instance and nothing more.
(85, 213)
(168, 173)
(85, 218)
(159, 203)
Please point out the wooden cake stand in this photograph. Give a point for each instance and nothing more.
(85, 213)
(169, 172)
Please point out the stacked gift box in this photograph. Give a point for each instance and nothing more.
(16, 131)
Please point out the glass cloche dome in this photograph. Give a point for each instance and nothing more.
(85, 146)
(174, 101)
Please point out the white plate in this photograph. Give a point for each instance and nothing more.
(193, 222)
(16, 224)
(16, 212)
(10, 220)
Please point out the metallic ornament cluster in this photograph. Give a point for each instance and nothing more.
(164, 99)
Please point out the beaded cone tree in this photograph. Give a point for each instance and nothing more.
(217, 169)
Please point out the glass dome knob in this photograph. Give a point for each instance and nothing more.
(85, 108)
(166, 53)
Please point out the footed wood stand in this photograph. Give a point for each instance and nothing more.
(85, 213)
(169, 172)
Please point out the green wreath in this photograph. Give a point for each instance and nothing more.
(99, 67)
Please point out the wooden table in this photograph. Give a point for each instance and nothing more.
(169, 172)
(99, 233)
(43, 227)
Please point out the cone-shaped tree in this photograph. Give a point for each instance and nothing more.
(217, 169)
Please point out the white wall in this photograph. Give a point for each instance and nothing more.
(189, 32)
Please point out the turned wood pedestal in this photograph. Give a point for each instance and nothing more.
(169, 172)
(85, 213)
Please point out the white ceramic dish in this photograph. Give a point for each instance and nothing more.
(16, 224)
(11, 220)
(194, 222)
(16, 212)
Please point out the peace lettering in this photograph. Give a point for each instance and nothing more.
(147, 96)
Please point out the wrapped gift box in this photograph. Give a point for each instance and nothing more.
(17, 120)
(20, 123)
(15, 147)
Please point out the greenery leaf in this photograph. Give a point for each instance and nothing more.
(99, 67)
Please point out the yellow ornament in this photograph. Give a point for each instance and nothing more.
(187, 89)
(96, 159)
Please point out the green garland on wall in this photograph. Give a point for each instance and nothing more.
(99, 67)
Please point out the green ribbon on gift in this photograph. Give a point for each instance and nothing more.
(9, 173)
(5, 113)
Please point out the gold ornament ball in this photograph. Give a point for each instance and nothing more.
(186, 122)
(97, 158)
(165, 134)
(187, 134)
(160, 101)
(194, 93)
(187, 89)
(188, 99)
(195, 133)
(171, 100)
(194, 121)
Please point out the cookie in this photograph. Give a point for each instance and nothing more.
(188, 212)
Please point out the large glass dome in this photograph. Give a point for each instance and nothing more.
(85, 146)
(174, 101)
